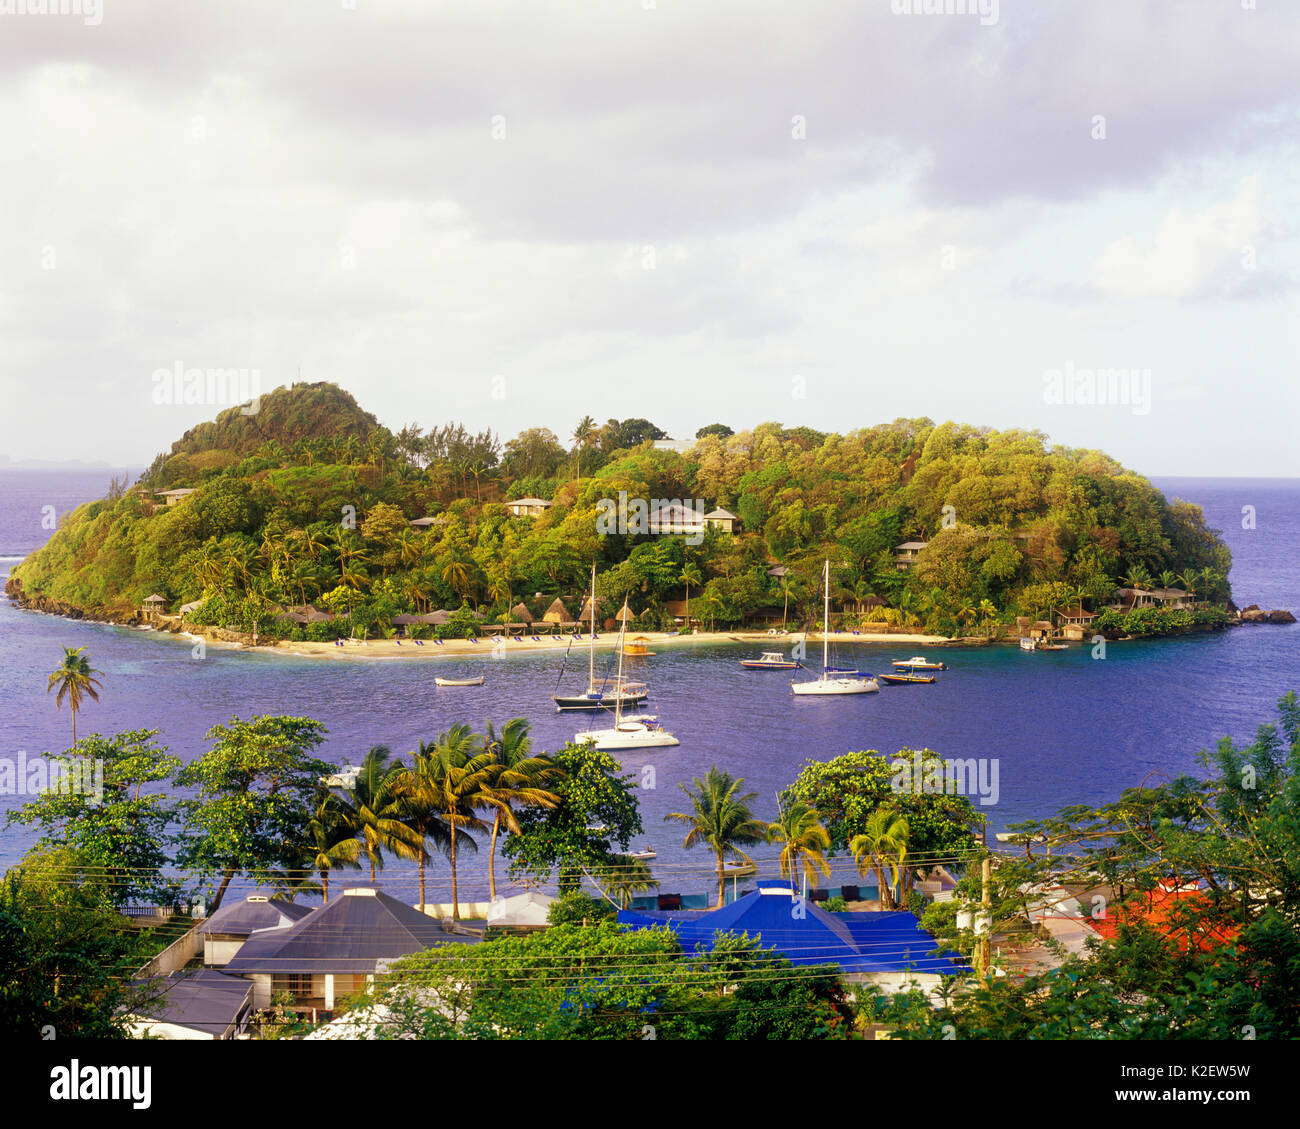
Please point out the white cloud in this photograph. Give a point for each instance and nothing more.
(1198, 255)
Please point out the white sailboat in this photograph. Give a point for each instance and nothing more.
(599, 696)
(644, 732)
(826, 684)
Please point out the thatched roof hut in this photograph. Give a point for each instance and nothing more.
(521, 613)
(625, 614)
(584, 616)
(557, 612)
(155, 599)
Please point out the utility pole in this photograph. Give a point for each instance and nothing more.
(986, 916)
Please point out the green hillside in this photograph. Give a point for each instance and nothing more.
(309, 500)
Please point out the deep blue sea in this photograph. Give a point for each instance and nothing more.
(1065, 728)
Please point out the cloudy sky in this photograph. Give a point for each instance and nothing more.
(515, 214)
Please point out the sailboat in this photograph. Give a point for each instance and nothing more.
(827, 684)
(600, 696)
(643, 733)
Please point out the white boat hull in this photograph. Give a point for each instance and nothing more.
(836, 686)
(632, 735)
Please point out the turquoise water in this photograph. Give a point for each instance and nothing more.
(1064, 727)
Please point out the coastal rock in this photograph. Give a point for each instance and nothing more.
(1253, 615)
(1250, 608)
(1280, 615)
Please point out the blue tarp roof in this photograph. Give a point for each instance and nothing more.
(884, 941)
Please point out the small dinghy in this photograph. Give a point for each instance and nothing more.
(459, 681)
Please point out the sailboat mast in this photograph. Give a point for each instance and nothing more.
(618, 698)
(591, 646)
(826, 621)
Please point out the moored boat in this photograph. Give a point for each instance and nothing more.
(643, 733)
(770, 660)
(602, 695)
(831, 681)
(901, 677)
(478, 681)
(918, 662)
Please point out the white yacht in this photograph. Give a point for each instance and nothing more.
(830, 683)
(644, 732)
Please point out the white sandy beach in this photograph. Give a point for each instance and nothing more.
(487, 648)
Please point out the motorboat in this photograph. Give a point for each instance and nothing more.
(770, 660)
(476, 681)
(900, 677)
(346, 777)
(918, 662)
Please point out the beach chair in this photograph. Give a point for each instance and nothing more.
(518, 638)
(537, 638)
(398, 642)
(438, 641)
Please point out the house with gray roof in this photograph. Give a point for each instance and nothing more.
(337, 949)
(225, 932)
(195, 1004)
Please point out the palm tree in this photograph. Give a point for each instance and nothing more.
(690, 575)
(332, 841)
(802, 837)
(375, 807)
(786, 586)
(882, 847)
(450, 778)
(1167, 578)
(627, 877)
(1137, 577)
(721, 819)
(455, 574)
(1191, 580)
(583, 434)
(518, 777)
(73, 678)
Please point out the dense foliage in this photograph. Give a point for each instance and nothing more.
(308, 500)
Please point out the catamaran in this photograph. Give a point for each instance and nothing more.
(832, 682)
(643, 733)
(599, 696)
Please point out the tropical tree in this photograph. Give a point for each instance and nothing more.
(720, 818)
(258, 787)
(626, 878)
(517, 777)
(882, 848)
(583, 436)
(375, 808)
(332, 841)
(72, 678)
(449, 779)
(690, 575)
(802, 837)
